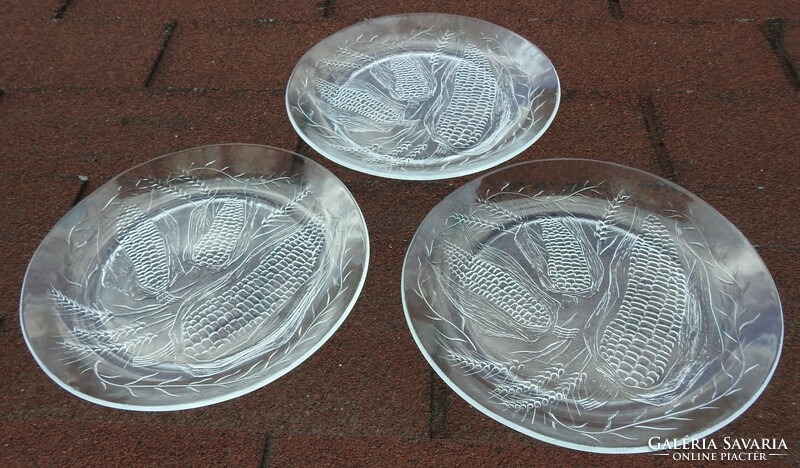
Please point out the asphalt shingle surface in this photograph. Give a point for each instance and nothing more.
(703, 93)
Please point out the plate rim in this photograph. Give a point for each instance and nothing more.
(228, 395)
(419, 175)
(558, 442)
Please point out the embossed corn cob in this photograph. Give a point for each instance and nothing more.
(468, 114)
(567, 265)
(215, 325)
(638, 343)
(499, 288)
(411, 83)
(362, 99)
(215, 248)
(146, 248)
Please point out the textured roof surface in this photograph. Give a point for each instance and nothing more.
(705, 94)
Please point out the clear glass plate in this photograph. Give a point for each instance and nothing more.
(592, 306)
(194, 278)
(422, 96)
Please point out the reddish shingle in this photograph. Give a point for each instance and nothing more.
(725, 10)
(630, 56)
(602, 126)
(704, 90)
(254, 10)
(385, 451)
(607, 128)
(496, 11)
(752, 210)
(70, 54)
(42, 11)
(366, 380)
(31, 204)
(788, 44)
(743, 139)
(106, 132)
(392, 220)
(238, 55)
(67, 443)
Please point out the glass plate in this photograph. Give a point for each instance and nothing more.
(194, 278)
(592, 306)
(422, 96)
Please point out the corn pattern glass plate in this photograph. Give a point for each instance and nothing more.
(422, 96)
(592, 306)
(194, 278)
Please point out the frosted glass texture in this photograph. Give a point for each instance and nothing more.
(194, 278)
(592, 306)
(422, 96)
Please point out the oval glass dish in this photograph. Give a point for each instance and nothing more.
(592, 305)
(194, 278)
(422, 96)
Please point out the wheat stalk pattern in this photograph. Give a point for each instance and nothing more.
(441, 99)
(510, 275)
(227, 278)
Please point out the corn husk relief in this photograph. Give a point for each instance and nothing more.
(216, 281)
(393, 103)
(564, 316)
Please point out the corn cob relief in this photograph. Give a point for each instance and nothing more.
(561, 252)
(639, 342)
(406, 78)
(467, 110)
(221, 323)
(216, 247)
(494, 291)
(146, 248)
(362, 99)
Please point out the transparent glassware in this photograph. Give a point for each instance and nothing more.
(592, 305)
(194, 278)
(422, 96)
